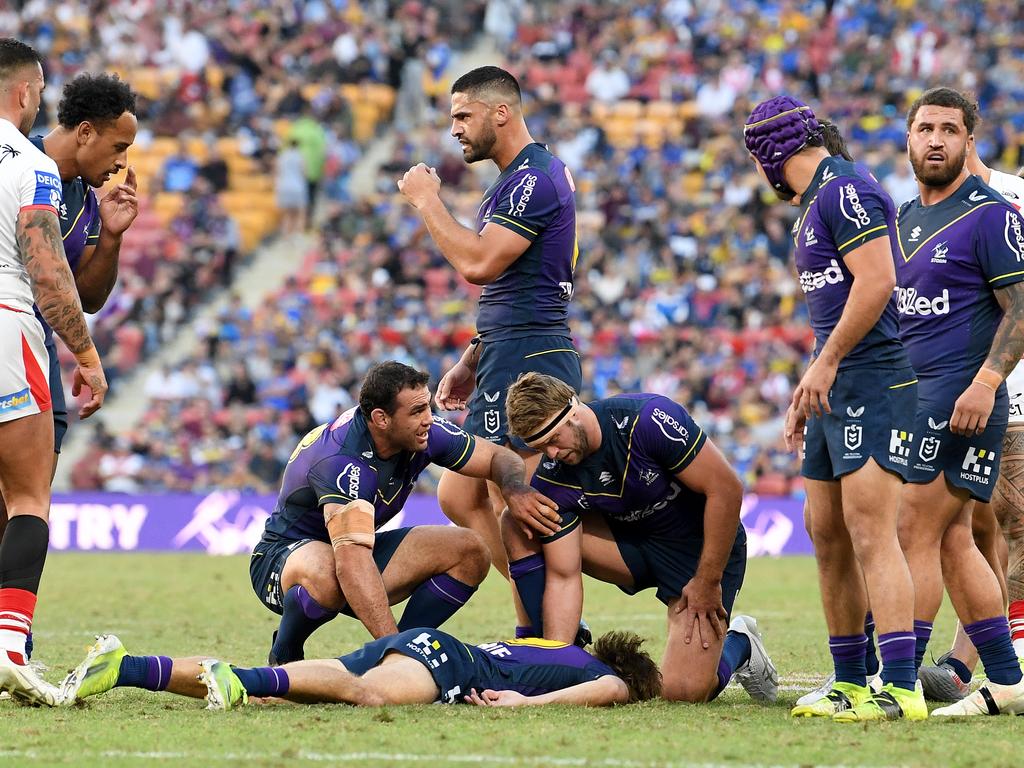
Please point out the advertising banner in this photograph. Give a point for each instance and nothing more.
(229, 522)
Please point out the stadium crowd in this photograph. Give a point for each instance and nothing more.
(684, 286)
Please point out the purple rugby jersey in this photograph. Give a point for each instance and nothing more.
(337, 463)
(631, 479)
(79, 216)
(841, 210)
(533, 666)
(952, 256)
(535, 198)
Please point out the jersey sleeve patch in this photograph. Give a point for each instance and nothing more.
(1001, 246)
(46, 191)
(340, 480)
(526, 204)
(668, 435)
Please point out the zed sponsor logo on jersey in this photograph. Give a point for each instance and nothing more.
(1013, 235)
(939, 253)
(662, 420)
(639, 514)
(908, 302)
(848, 194)
(525, 190)
(812, 281)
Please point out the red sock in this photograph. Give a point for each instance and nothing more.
(1017, 620)
(16, 609)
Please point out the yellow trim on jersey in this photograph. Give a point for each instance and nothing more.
(862, 234)
(561, 485)
(536, 642)
(513, 221)
(565, 528)
(904, 384)
(899, 240)
(696, 441)
(1008, 274)
(71, 228)
(334, 496)
(469, 441)
(548, 352)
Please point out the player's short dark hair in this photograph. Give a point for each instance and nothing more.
(14, 55)
(945, 97)
(833, 140)
(96, 99)
(622, 652)
(382, 384)
(493, 79)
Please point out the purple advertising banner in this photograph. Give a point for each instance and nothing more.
(229, 522)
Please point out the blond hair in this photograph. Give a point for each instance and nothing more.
(533, 399)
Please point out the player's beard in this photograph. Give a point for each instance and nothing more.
(938, 177)
(582, 448)
(482, 148)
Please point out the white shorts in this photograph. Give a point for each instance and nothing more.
(24, 363)
(1015, 389)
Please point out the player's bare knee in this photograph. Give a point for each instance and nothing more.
(474, 559)
(686, 690)
(517, 546)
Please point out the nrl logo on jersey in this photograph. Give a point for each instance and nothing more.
(940, 252)
(915, 233)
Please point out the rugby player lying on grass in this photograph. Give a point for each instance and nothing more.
(418, 666)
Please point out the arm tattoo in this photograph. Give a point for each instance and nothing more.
(507, 469)
(1008, 344)
(42, 252)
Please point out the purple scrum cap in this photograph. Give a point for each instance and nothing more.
(775, 131)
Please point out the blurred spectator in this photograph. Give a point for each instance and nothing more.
(310, 139)
(291, 190)
(180, 170)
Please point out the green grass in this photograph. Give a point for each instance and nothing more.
(183, 604)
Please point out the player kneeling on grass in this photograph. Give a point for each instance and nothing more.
(322, 553)
(418, 666)
(646, 500)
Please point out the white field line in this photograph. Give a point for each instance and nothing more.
(392, 758)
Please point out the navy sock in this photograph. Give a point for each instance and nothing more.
(871, 665)
(522, 632)
(434, 602)
(992, 639)
(922, 634)
(898, 653)
(529, 575)
(263, 681)
(28, 646)
(302, 616)
(960, 668)
(848, 657)
(735, 653)
(150, 672)
(23, 553)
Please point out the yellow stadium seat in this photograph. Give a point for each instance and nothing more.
(628, 108)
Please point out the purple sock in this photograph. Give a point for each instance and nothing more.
(995, 649)
(522, 632)
(898, 651)
(922, 634)
(434, 602)
(263, 681)
(150, 672)
(529, 575)
(848, 658)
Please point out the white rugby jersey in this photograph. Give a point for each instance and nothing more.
(1012, 188)
(28, 179)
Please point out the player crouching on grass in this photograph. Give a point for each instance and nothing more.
(645, 501)
(418, 666)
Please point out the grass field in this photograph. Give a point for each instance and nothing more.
(186, 604)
